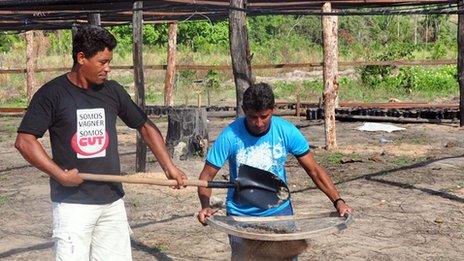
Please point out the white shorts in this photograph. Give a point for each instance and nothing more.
(91, 232)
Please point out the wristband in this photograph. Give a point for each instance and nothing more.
(335, 202)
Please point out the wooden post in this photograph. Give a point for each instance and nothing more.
(426, 29)
(31, 62)
(461, 62)
(298, 100)
(137, 29)
(239, 51)
(73, 30)
(94, 18)
(199, 99)
(171, 65)
(330, 71)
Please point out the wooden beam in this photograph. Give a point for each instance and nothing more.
(227, 67)
(330, 71)
(28, 15)
(461, 62)
(31, 62)
(239, 51)
(298, 99)
(137, 36)
(189, 5)
(94, 18)
(171, 65)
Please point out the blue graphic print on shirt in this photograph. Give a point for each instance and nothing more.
(268, 152)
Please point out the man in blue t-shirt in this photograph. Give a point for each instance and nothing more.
(263, 141)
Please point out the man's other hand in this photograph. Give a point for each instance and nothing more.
(178, 175)
(343, 208)
(204, 213)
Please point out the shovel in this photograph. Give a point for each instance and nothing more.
(253, 186)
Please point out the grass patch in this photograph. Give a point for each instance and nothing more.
(9, 128)
(336, 158)
(417, 139)
(3, 199)
(404, 160)
(313, 139)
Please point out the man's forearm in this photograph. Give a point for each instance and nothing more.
(325, 184)
(204, 194)
(35, 154)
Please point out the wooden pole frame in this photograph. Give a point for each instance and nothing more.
(460, 64)
(330, 75)
(31, 62)
(171, 65)
(139, 83)
(239, 51)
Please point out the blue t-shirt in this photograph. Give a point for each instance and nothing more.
(267, 152)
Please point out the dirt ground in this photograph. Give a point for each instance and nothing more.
(407, 189)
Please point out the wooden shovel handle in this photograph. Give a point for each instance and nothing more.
(141, 180)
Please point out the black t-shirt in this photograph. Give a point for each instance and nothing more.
(82, 127)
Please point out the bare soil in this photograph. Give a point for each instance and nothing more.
(407, 189)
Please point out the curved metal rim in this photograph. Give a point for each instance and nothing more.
(217, 224)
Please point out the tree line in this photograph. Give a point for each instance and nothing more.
(375, 37)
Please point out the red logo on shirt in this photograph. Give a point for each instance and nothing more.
(90, 145)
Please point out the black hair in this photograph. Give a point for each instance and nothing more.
(91, 39)
(258, 97)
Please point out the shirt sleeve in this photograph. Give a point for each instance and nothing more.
(220, 151)
(298, 145)
(39, 114)
(129, 112)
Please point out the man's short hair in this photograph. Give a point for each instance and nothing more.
(258, 97)
(91, 39)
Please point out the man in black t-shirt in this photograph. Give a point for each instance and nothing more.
(80, 109)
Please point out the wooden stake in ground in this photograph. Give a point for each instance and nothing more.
(171, 65)
(461, 63)
(298, 100)
(31, 61)
(137, 25)
(330, 74)
(239, 51)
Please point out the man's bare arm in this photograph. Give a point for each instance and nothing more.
(31, 149)
(204, 194)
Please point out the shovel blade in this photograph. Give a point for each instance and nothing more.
(259, 188)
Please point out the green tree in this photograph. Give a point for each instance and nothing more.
(7, 41)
